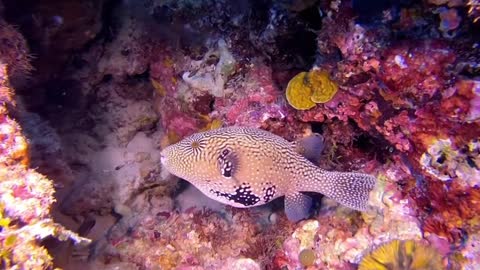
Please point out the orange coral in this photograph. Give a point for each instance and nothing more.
(455, 210)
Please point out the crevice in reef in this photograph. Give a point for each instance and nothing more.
(117, 81)
(110, 25)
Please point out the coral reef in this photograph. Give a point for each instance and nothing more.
(393, 87)
(14, 53)
(205, 240)
(26, 196)
(213, 81)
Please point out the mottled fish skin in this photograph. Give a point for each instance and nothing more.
(246, 167)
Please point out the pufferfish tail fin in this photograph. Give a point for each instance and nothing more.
(350, 189)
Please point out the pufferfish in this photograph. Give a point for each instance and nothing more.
(245, 167)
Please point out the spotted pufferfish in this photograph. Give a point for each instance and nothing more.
(245, 167)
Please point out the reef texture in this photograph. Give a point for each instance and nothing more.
(394, 88)
(26, 196)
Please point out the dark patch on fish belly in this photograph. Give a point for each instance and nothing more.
(243, 195)
(269, 193)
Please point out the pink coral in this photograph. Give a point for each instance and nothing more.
(205, 240)
(414, 72)
(255, 102)
(162, 70)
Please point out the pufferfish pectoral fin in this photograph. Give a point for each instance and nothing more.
(297, 206)
(310, 147)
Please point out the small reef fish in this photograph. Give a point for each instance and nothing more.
(245, 167)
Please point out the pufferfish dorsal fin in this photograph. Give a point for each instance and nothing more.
(310, 147)
(227, 163)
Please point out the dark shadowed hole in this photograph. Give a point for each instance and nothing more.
(109, 24)
(78, 63)
(311, 17)
(364, 143)
(181, 187)
(316, 201)
(136, 78)
(471, 162)
(163, 14)
(62, 94)
(212, 105)
(317, 127)
(370, 10)
(441, 159)
(301, 43)
(107, 78)
(377, 147)
(359, 78)
(259, 11)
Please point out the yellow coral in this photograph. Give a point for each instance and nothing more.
(308, 88)
(323, 87)
(299, 93)
(408, 255)
(214, 124)
(210, 123)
